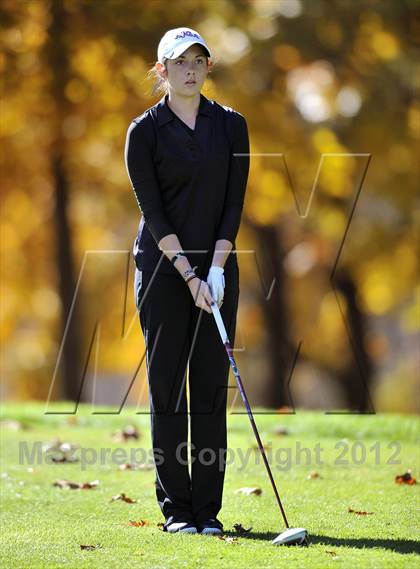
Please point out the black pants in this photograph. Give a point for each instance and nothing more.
(179, 335)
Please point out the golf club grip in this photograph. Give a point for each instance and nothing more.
(228, 347)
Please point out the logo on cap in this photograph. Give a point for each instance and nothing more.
(186, 33)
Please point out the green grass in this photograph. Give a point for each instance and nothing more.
(44, 526)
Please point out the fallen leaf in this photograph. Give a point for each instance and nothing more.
(67, 484)
(285, 409)
(60, 451)
(228, 539)
(139, 523)
(240, 529)
(160, 525)
(313, 475)
(64, 459)
(124, 498)
(76, 485)
(13, 425)
(90, 547)
(127, 466)
(146, 466)
(249, 491)
(88, 485)
(135, 466)
(281, 431)
(129, 432)
(265, 447)
(332, 553)
(405, 478)
(359, 512)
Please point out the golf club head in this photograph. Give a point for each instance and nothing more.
(292, 536)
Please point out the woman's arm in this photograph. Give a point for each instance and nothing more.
(237, 181)
(221, 252)
(233, 205)
(170, 245)
(198, 288)
(141, 171)
(142, 174)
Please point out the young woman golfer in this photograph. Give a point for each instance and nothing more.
(190, 188)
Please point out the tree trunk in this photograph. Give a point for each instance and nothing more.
(280, 349)
(356, 377)
(57, 59)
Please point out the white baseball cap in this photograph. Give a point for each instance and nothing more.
(176, 41)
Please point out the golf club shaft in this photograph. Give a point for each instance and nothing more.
(228, 348)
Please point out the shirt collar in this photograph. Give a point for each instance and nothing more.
(164, 114)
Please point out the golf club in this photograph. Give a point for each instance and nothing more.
(292, 536)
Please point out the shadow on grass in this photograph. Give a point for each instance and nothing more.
(397, 545)
(266, 535)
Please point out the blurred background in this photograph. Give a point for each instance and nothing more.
(329, 299)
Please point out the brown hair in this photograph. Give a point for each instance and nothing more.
(160, 84)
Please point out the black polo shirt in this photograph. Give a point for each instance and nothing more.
(187, 182)
(181, 122)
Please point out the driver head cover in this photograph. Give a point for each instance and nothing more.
(292, 536)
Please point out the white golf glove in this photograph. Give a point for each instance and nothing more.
(216, 282)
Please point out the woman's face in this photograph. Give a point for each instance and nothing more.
(187, 73)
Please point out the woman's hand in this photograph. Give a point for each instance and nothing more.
(216, 282)
(201, 293)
